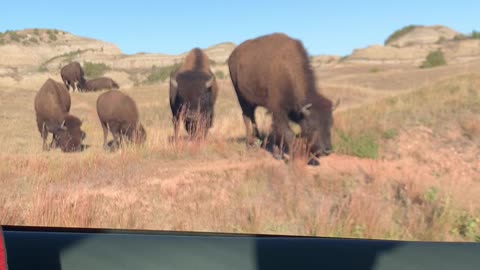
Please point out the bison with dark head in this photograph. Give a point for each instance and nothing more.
(99, 84)
(274, 72)
(119, 114)
(72, 76)
(52, 107)
(193, 92)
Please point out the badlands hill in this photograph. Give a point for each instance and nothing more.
(39, 53)
(28, 57)
(411, 44)
(46, 50)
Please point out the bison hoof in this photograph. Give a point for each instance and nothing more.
(252, 143)
(277, 156)
(313, 162)
(112, 146)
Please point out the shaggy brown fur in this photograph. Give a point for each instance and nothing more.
(274, 72)
(71, 74)
(52, 107)
(193, 93)
(100, 83)
(119, 114)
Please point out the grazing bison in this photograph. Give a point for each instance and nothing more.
(273, 71)
(71, 74)
(119, 114)
(100, 83)
(52, 107)
(193, 92)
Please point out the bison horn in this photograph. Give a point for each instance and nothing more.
(336, 105)
(173, 82)
(209, 83)
(306, 109)
(62, 126)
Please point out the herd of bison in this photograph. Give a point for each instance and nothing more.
(271, 71)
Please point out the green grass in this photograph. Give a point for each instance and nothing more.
(93, 70)
(389, 134)
(434, 59)
(68, 57)
(467, 226)
(399, 33)
(219, 74)
(160, 74)
(14, 36)
(363, 145)
(33, 40)
(343, 58)
(475, 35)
(451, 100)
(52, 36)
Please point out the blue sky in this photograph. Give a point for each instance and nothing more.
(325, 27)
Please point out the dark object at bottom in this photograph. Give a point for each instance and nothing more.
(63, 248)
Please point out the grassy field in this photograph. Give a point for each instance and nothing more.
(405, 167)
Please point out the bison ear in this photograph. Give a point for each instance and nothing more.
(209, 83)
(173, 82)
(305, 110)
(336, 105)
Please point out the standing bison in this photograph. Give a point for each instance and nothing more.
(119, 114)
(193, 92)
(100, 83)
(52, 107)
(274, 72)
(72, 74)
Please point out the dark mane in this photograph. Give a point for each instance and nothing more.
(312, 93)
(198, 59)
(307, 68)
(192, 75)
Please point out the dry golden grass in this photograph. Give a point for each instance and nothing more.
(418, 188)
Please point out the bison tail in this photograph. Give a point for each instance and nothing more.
(115, 85)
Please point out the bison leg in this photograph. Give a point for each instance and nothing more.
(250, 124)
(105, 134)
(54, 143)
(208, 123)
(69, 85)
(176, 127)
(44, 134)
(191, 127)
(117, 137)
(282, 134)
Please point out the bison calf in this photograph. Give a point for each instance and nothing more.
(119, 114)
(52, 107)
(274, 72)
(193, 92)
(72, 74)
(99, 84)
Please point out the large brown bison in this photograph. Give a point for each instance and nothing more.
(193, 92)
(72, 74)
(52, 107)
(99, 84)
(119, 114)
(273, 71)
